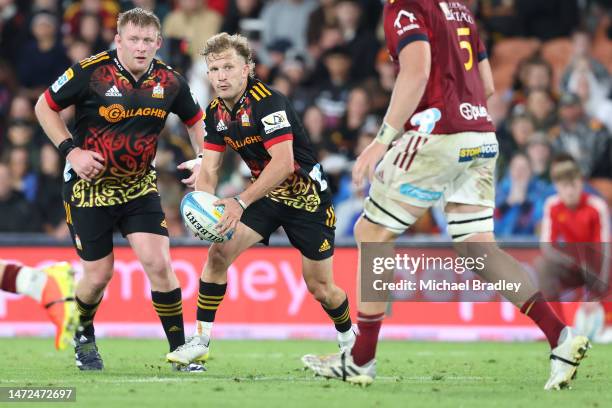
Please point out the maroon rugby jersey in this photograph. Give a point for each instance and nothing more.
(454, 100)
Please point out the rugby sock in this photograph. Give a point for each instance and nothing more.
(364, 349)
(169, 308)
(24, 280)
(341, 316)
(9, 278)
(538, 310)
(87, 312)
(210, 297)
(558, 308)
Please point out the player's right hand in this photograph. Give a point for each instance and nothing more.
(367, 161)
(86, 163)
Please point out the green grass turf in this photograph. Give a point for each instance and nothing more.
(268, 374)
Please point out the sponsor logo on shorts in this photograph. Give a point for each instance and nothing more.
(480, 152)
(472, 112)
(275, 121)
(116, 112)
(419, 193)
(164, 224)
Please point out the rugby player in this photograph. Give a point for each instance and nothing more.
(52, 287)
(445, 149)
(289, 189)
(122, 98)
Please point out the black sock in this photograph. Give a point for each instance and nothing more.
(341, 316)
(87, 313)
(169, 308)
(210, 297)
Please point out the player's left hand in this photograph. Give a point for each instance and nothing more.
(232, 212)
(193, 166)
(367, 161)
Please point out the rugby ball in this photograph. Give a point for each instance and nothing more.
(201, 216)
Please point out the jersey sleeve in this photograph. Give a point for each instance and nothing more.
(405, 23)
(273, 120)
(68, 88)
(212, 139)
(482, 51)
(185, 104)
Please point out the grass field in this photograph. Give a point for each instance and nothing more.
(269, 374)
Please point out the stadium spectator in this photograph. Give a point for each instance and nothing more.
(344, 138)
(593, 92)
(17, 214)
(541, 106)
(582, 51)
(321, 17)
(24, 180)
(333, 93)
(518, 199)
(13, 29)
(48, 193)
(285, 20)
(107, 10)
(78, 50)
(192, 22)
(238, 12)
(90, 31)
(42, 59)
(359, 40)
(539, 153)
(160, 8)
(513, 137)
(585, 139)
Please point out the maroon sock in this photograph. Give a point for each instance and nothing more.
(364, 349)
(538, 310)
(9, 279)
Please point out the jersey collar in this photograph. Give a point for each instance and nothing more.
(127, 73)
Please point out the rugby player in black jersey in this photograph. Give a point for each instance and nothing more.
(289, 189)
(122, 99)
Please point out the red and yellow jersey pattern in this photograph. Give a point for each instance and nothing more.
(121, 119)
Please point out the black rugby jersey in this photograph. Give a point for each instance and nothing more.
(261, 118)
(121, 119)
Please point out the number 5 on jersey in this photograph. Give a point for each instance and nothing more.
(466, 45)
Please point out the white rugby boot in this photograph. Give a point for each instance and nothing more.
(565, 359)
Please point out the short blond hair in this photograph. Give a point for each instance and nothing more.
(138, 17)
(223, 42)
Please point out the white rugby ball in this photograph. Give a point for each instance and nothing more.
(201, 216)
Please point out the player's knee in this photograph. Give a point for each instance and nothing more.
(320, 291)
(98, 280)
(464, 227)
(217, 260)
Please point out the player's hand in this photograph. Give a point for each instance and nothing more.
(87, 164)
(232, 212)
(367, 161)
(193, 166)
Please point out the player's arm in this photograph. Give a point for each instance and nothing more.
(486, 76)
(410, 84)
(276, 171)
(87, 164)
(208, 176)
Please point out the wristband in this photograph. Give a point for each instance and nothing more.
(242, 203)
(386, 134)
(66, 147)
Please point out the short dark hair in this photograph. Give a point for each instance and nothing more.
(138, 17)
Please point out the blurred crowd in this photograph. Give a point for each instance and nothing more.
(551, 61)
